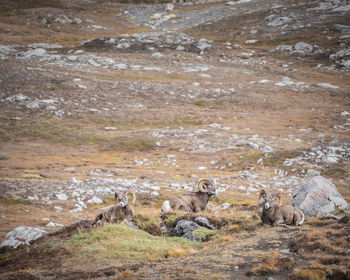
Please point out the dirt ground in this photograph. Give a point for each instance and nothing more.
(156, 119)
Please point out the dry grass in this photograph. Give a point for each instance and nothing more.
(308, 274)
(271, 263)
(176, 253)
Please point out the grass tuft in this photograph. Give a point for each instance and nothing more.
(31, 177)
(308, 274)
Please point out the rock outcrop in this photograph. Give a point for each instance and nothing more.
(317, 196)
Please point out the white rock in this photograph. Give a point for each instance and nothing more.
(80, 86)
(169, 7)
(250, 42)
(110, 128)
(95, 200)
(326, 85)
(284, 48)
(157, 54)
(302, 47)
(32, 53)
(33, 105)
(22, 235)
(277, 21)
(61, 196)
(53, 225)
(58, 208)
(253, 145)
(17, 97)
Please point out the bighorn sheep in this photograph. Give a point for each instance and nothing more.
(277, 214)
(194, 201)
(116, 212)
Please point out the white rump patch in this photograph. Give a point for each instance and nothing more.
(302, 221)
(166, 206)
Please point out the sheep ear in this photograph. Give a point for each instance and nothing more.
(116, 196)
(262, 194)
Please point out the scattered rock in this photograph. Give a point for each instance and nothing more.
(150, 40)
(284, 48)
(341, 28)
(18, 97)
(202, 221)
(191, 237)
(22, 235)
(95, 200)
(325, 85)
(53, 225)
(302, 47)
(61, 196)
(311, 173)
(318, 196)
(277, 21)
(183, 227)
(32, 53)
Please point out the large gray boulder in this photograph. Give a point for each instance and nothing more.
(183, 227)
(318, 197)
(22, 235)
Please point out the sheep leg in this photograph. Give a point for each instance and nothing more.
(278, 223)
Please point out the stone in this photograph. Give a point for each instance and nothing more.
(129, 224)
(284, 48)
(341, 28)
(53, 225)
(317, 196)
(95, 200)
(190, 236)
(311, 173)
(303, 47)
(169, 7)
(33, 105)
(326, 85)
(183, 227)
(32, 53)
(61, 196)
(253, 145)
(203, 221)
(17, 97)
(22, 235)
(277, 21)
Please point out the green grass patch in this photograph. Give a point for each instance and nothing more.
(10, 201)
(31, 176)
(206, 234)
(120, 241)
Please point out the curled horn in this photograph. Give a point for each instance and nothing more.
(202, 182)
(262, 194)
(278, 194)
(132, 194)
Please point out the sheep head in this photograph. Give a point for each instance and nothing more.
(207, 186)
(123, 198)
(269, 199)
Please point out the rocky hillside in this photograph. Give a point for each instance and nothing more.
(101, 96)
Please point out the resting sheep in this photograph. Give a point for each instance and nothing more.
(194, 201)
(277, 214)
(117, 212)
